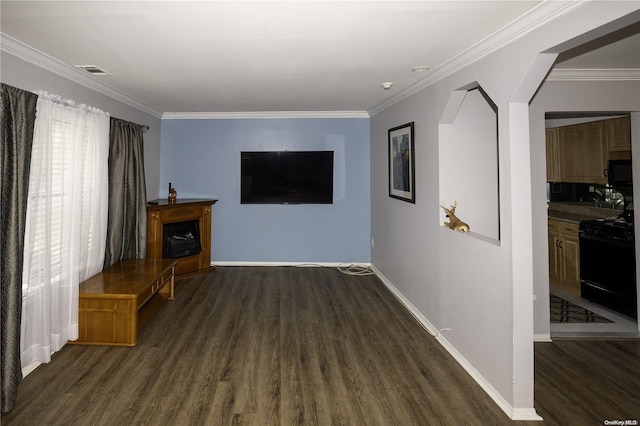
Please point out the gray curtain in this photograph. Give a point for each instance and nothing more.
(17, 119)
(127, 223)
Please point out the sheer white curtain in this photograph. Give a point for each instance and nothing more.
(66, 221)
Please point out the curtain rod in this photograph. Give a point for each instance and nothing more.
(144, 127)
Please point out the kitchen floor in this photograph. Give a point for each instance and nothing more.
(621, 327)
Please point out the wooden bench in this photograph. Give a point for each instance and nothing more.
(116, 303)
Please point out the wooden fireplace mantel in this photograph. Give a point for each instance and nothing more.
(161, 212)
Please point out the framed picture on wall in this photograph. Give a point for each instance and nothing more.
(402, 177)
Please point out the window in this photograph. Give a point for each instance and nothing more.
(66, 221)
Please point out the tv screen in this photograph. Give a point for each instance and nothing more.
(287, 177)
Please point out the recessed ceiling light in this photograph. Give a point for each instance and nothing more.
(387, 85)
(92, 69)
(421, 68)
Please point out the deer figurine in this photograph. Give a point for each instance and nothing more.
(454, 223)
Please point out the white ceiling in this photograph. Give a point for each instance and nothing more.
(621, 54)
(258, 56)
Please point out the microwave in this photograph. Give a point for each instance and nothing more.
(619, 173)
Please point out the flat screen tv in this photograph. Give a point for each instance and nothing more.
(287, 177)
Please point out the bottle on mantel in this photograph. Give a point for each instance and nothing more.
(173, 194)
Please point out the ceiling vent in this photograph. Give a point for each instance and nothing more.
(92, 69)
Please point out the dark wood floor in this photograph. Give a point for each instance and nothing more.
(587, 382)
(286, 345)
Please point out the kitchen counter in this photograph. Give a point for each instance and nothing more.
(569, 217)
(577, 212)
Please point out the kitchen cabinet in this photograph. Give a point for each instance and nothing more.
(553, 164)
(580, 152)
(583, 152)
(564, 255)
(619, 134)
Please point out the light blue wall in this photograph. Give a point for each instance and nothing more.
(201, 158)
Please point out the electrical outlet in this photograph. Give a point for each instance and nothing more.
(373, 243)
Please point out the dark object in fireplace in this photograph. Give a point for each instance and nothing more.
(181, 239)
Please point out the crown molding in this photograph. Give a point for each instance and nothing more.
(603, 74)
(29, 54)
(536, 17)
(262, 115)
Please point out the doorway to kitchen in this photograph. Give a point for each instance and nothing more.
(591, 237)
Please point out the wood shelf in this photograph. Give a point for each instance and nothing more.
(116, 303)
(161, 212)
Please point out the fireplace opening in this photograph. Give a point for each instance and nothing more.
(181, 239)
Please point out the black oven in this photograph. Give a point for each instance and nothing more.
(608, 264)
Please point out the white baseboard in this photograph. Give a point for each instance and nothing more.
(526, 414)
(543, 337)
(298, 264)
(29, 368)
(513, 413)
(407, 304)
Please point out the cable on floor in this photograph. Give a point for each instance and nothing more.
(358, 270)
(347, 269)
